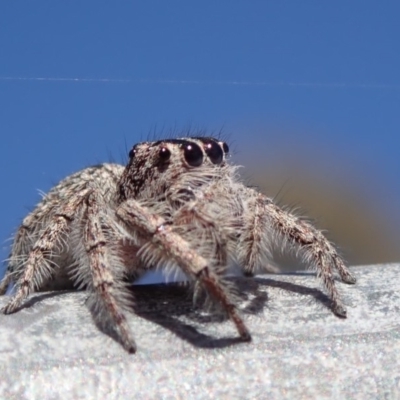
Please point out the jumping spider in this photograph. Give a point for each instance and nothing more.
(178, 204)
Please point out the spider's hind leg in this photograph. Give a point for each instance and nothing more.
(303, 237)
(38, 264)
(5, 282)
(23, 242)
(344, 273)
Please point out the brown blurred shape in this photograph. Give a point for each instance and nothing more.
(297, 169)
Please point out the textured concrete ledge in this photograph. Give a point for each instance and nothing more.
(52, 349)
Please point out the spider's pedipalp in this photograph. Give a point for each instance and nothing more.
(175, 247)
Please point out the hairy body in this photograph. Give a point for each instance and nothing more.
(178, 204)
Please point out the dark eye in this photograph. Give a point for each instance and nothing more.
(225, 147)
(214, 152)
(164, 154)
(132, 152)
(193, 154)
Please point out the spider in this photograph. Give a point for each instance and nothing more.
(178, 204)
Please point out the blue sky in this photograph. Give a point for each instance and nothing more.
(83, 80)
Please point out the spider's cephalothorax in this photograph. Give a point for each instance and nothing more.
(178, 204)
(156, 166)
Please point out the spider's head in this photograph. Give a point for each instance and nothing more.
(155, 167)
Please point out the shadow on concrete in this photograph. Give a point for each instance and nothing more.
(171, 306)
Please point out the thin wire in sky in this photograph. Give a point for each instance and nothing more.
(200, 82)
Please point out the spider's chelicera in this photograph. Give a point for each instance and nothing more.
(178, 204)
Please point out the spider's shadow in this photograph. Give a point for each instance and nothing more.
(171, 306)
(38, 297)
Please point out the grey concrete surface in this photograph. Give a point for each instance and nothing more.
(51, 348)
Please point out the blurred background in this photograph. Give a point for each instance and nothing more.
(306, 93)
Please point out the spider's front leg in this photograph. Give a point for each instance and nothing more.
(160, 235)
(270, 220)
(106, 277)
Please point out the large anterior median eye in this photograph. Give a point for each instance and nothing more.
(214, 152)
(193, 154)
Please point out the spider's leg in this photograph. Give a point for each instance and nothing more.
(314, 246)
(7, 279)
(106, 288)
(19, 253)
(159, 234)
(254, 245)
(37, 264)
(344, 273)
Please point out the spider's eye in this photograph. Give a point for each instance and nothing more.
(164, 154)
(225, 147)
(214, 152)
(193, 154)
(132, 152)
